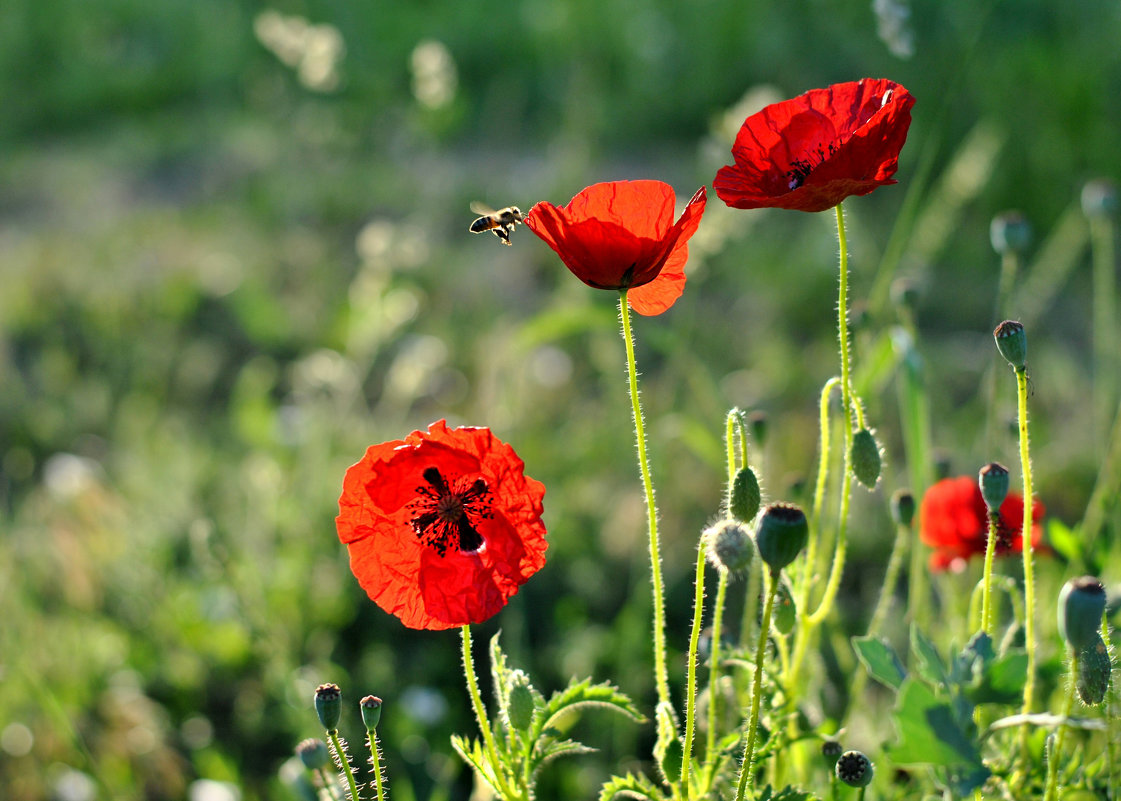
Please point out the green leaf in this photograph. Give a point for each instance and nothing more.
(1064, 540)
(547, 750)
(631, 786)
(929, 733)
(668, 750)
(583, 693)
(1003, 680)
(498, 671)
(788, 793)
(928, 662)
(881, 661)
(471, 751)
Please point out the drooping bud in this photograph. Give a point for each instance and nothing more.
(371, 711)
(1012, 343)
(329, 705)
(757, 425)
(746, 496)
(728, 546)
(313, 753)
(782, 534)
(1010, 232)
(519, 703)
(1094, 671)
(831, 751)
(1099, 198)
(855, 769)
(786, 611)
(993, 480)
(865, 456)
(903, 507)
(1081, 604)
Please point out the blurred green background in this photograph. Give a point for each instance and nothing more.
(233, 253)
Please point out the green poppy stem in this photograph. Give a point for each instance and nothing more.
(747, 766)
(344, 763)
(661, 674)
(1052, 791)
(481, 716)
(691, 672)
(988, 623)
(1026, 535)
(375, 762)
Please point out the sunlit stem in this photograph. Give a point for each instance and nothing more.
(747, 766)
(1052, 792)
(661, 675)
(375, 762)
(344, 763)
(1026, 532)
(1105, 320)
(714, 668)
(481, 715)
(988, 623)
(691, 672)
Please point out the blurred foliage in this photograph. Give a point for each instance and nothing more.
(221, 281)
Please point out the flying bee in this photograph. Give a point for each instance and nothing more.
(502, 222)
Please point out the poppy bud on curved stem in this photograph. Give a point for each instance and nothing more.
(782, 534)
(1012, 343)
(328, 705)
(855, 769)
(1010, 232)
(993, 480)
(1081, 604)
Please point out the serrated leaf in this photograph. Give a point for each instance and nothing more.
(471, 751)
(928, 731)
(581, 694)
(498, 670)
(555, 749)
(1003, 680)
(880, 660)
(631, 786)
(928, 662)
(788, 793)
(668, 750)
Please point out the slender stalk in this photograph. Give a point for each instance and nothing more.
(1026, 532)
(481, 715)
(691, 673)
(1105, 320)
(1052, 792)
(375, 762)
(714, 669)
(329, 785)
(661, 674)
(746, 779)
(344, 763)
(988, 624)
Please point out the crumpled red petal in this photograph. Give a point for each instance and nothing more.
(408, 578)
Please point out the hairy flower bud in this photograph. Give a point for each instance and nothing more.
(371, 711)
(855, 769)
(1094, 670)
(993, 480)
(313, 753)
(1081, 604)
(1012, 343)
(1010, 232)
(903, 507)
(782, 534)
(519, 702)
(728, 546)
(865, 456)
(328, 705)
(746, 496)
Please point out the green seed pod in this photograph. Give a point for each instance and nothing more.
(1012, 343)
(1081, 604)
(313, 753)
(781, 535)
(728, 546)
(1094, 669)
(786, 612)
(1099, 198)
(855, 769)
(903, 507)
(831, 751)
(746, 496)
(1010, 232)
(865, 456)
(328, 705)
(371, 711)
(519, 702)
(994, 480)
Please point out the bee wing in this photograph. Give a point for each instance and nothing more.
(478, 207)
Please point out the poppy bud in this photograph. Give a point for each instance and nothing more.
(782, 534)
(1012, 343)
(786, 611)
(865, 456)
(746, 496)
(903, 507)
(1094, 669)
(1099, 198)
(371, 711)
(757, 425)
(313, 753)
(1010, 232)
(855, 769)
(1081, 604)
(519, 703)
(328, 705)
(993, 479)
(831, 751)
(729, 546)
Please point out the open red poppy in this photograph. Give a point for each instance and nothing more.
(811, 152)
(443, 526)
(621, 235)
(955, 523)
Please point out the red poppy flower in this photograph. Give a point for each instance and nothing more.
(621, 235)
(955, 523)
(811, 152)
(442, 527)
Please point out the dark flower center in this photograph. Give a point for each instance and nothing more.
(800, 169)
(443, 512)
